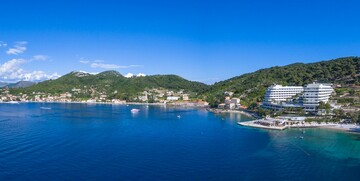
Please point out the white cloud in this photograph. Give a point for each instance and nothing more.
(140, 75)
(19, 48)
(40, 57)
(37, 76)
(92, 73)
(84, 61)
(12, 71)
(104, 66)
(129, 75)
(2, 44)
(101, 64)
(11, 66)
(111, 66)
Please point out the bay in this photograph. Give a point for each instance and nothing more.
(53, 141)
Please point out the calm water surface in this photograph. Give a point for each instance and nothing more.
(107, 142)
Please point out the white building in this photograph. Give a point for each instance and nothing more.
(235, 101)
(172, 98)
(185, 97)
(278, 97)
(279, 93)
(230, 103)
(315, 93)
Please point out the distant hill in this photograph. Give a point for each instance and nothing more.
(252, 86)
(20, 84)
(3, 84)
(113, 84)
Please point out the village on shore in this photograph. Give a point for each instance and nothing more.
(149, 97)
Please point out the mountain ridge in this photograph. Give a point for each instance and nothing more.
(113, 84)
(250, 87)
(19, 84)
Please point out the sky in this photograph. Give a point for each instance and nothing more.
(206, 41)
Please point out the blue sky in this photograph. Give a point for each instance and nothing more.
(207, 41)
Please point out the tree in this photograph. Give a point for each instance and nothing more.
(253, 106)
(355, 118)
(325, 106)
(339, 113)
(352, 92)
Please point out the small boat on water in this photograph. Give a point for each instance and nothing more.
(45, 108)
(135, 110)
(13, 102)
(178, 116)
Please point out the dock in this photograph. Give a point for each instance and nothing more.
(280, 124)
(255, 124)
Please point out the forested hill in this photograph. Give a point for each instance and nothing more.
(249, 87)
(252, 86)
(113, 84)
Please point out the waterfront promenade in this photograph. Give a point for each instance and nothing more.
(278, 124)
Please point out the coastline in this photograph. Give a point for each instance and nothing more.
(112, 103)
(350, 128)
(221, 111)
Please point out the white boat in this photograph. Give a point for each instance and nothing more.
(178, 116)
(13, 102)
(45, 107)
(135, 110)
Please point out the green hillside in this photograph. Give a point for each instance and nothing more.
(113, 84)
(252, 86)
(249, 87)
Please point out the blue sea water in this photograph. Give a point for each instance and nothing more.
(43, 141)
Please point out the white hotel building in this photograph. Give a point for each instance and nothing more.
(316, 93)
(278, 97)
(279, 93)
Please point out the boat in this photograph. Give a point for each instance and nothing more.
(45, 107)
(13, 102)
(178, 116)
(135, 110)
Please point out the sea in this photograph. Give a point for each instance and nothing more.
(60, 141)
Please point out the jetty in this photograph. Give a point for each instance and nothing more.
(265, 123)
(282, 124)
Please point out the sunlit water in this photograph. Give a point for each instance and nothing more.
(108, 142)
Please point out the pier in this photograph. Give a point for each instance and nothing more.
(261, 123)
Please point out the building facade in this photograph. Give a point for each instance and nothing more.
(278, 97)
(279, 93)
(316, 93)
